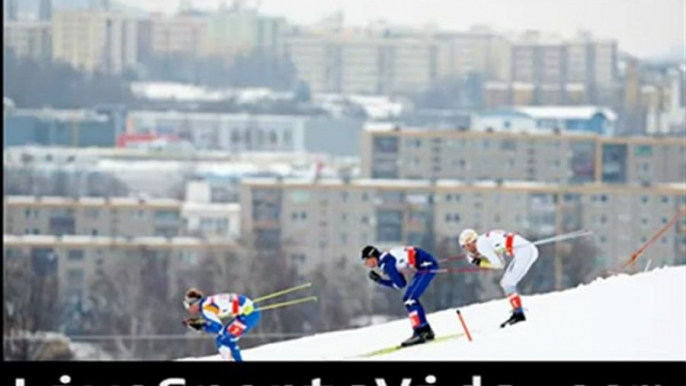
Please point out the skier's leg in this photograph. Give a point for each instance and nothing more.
(519, 266)
(414, 308)
(227, 341)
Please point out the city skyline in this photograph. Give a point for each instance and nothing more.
(661, 21)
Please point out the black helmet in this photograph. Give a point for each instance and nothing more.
(370, 251)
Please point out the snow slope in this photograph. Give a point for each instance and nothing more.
(637, 317)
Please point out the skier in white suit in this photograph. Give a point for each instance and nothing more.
(489, 251)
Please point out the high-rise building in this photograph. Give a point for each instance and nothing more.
(363, 62)
(45, 10)
(95, 40)
(28, 39)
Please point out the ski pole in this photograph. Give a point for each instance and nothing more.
(566, 236)
(282, 292)
(286, 304)
(455, 270)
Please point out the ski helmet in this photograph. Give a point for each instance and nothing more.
(370, 251)
(467, 236)
(192, 296)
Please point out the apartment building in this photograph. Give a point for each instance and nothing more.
(244, 132)
(569, 158)
(166, 36)
(363, 63)
(242, 31)
(118, 217)
(79, 262)
(121, 217)
(28, 39)
(312, 222)
(95, 40)
(477, 50)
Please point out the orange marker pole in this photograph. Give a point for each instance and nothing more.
(464, 326)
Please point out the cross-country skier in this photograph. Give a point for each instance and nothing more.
(489, 251)
(392, 263)
(207, 314)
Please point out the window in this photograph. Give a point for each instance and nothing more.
(75, 255)
(386, 144)
(164, 215)
(75, 275)
(644, 199)
(508, 145)
(643, 151)
(665, 199)
(92, 214)
(344, 217)
(390, 225)
(300, 196)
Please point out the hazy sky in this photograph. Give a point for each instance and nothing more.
(642, 27)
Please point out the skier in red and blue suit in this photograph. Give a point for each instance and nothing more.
(394, 263)
(208, 312)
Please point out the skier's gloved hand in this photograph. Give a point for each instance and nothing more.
(195, 324)
(374, 276)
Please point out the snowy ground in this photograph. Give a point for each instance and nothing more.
(638, 317)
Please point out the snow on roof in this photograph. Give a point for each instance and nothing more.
(560, 112)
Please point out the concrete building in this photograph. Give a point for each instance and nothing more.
(552, 158)
(73, 128)
(588, 119)
(178, 35)
(79, 262)
(28, 39)
(477, 50)
(95, 40)
(243, 132)
(665, 104)
(242, 31)
(117, 217)
(328, 219)
(363, 62)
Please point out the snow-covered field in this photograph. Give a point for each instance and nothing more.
(637, 317)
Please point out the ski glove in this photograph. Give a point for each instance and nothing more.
(195, 324)
(374, 276)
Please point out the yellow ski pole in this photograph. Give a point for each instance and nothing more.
(282, 292)
(288, 303)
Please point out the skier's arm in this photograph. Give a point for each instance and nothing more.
(212, 322)
(396, 279)
(489, 257)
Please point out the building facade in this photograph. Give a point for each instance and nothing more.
(72, 128)
(243, 132)
(552, 158)
(28, 39)
(95, 40)
(330, 219)
(363, 63)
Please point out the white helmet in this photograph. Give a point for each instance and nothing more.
(467, 236)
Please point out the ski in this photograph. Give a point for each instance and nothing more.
(391, 349)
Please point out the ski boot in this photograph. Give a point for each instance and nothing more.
(420, 335)
(516, 317)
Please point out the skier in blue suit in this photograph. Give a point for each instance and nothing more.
(392, 263)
